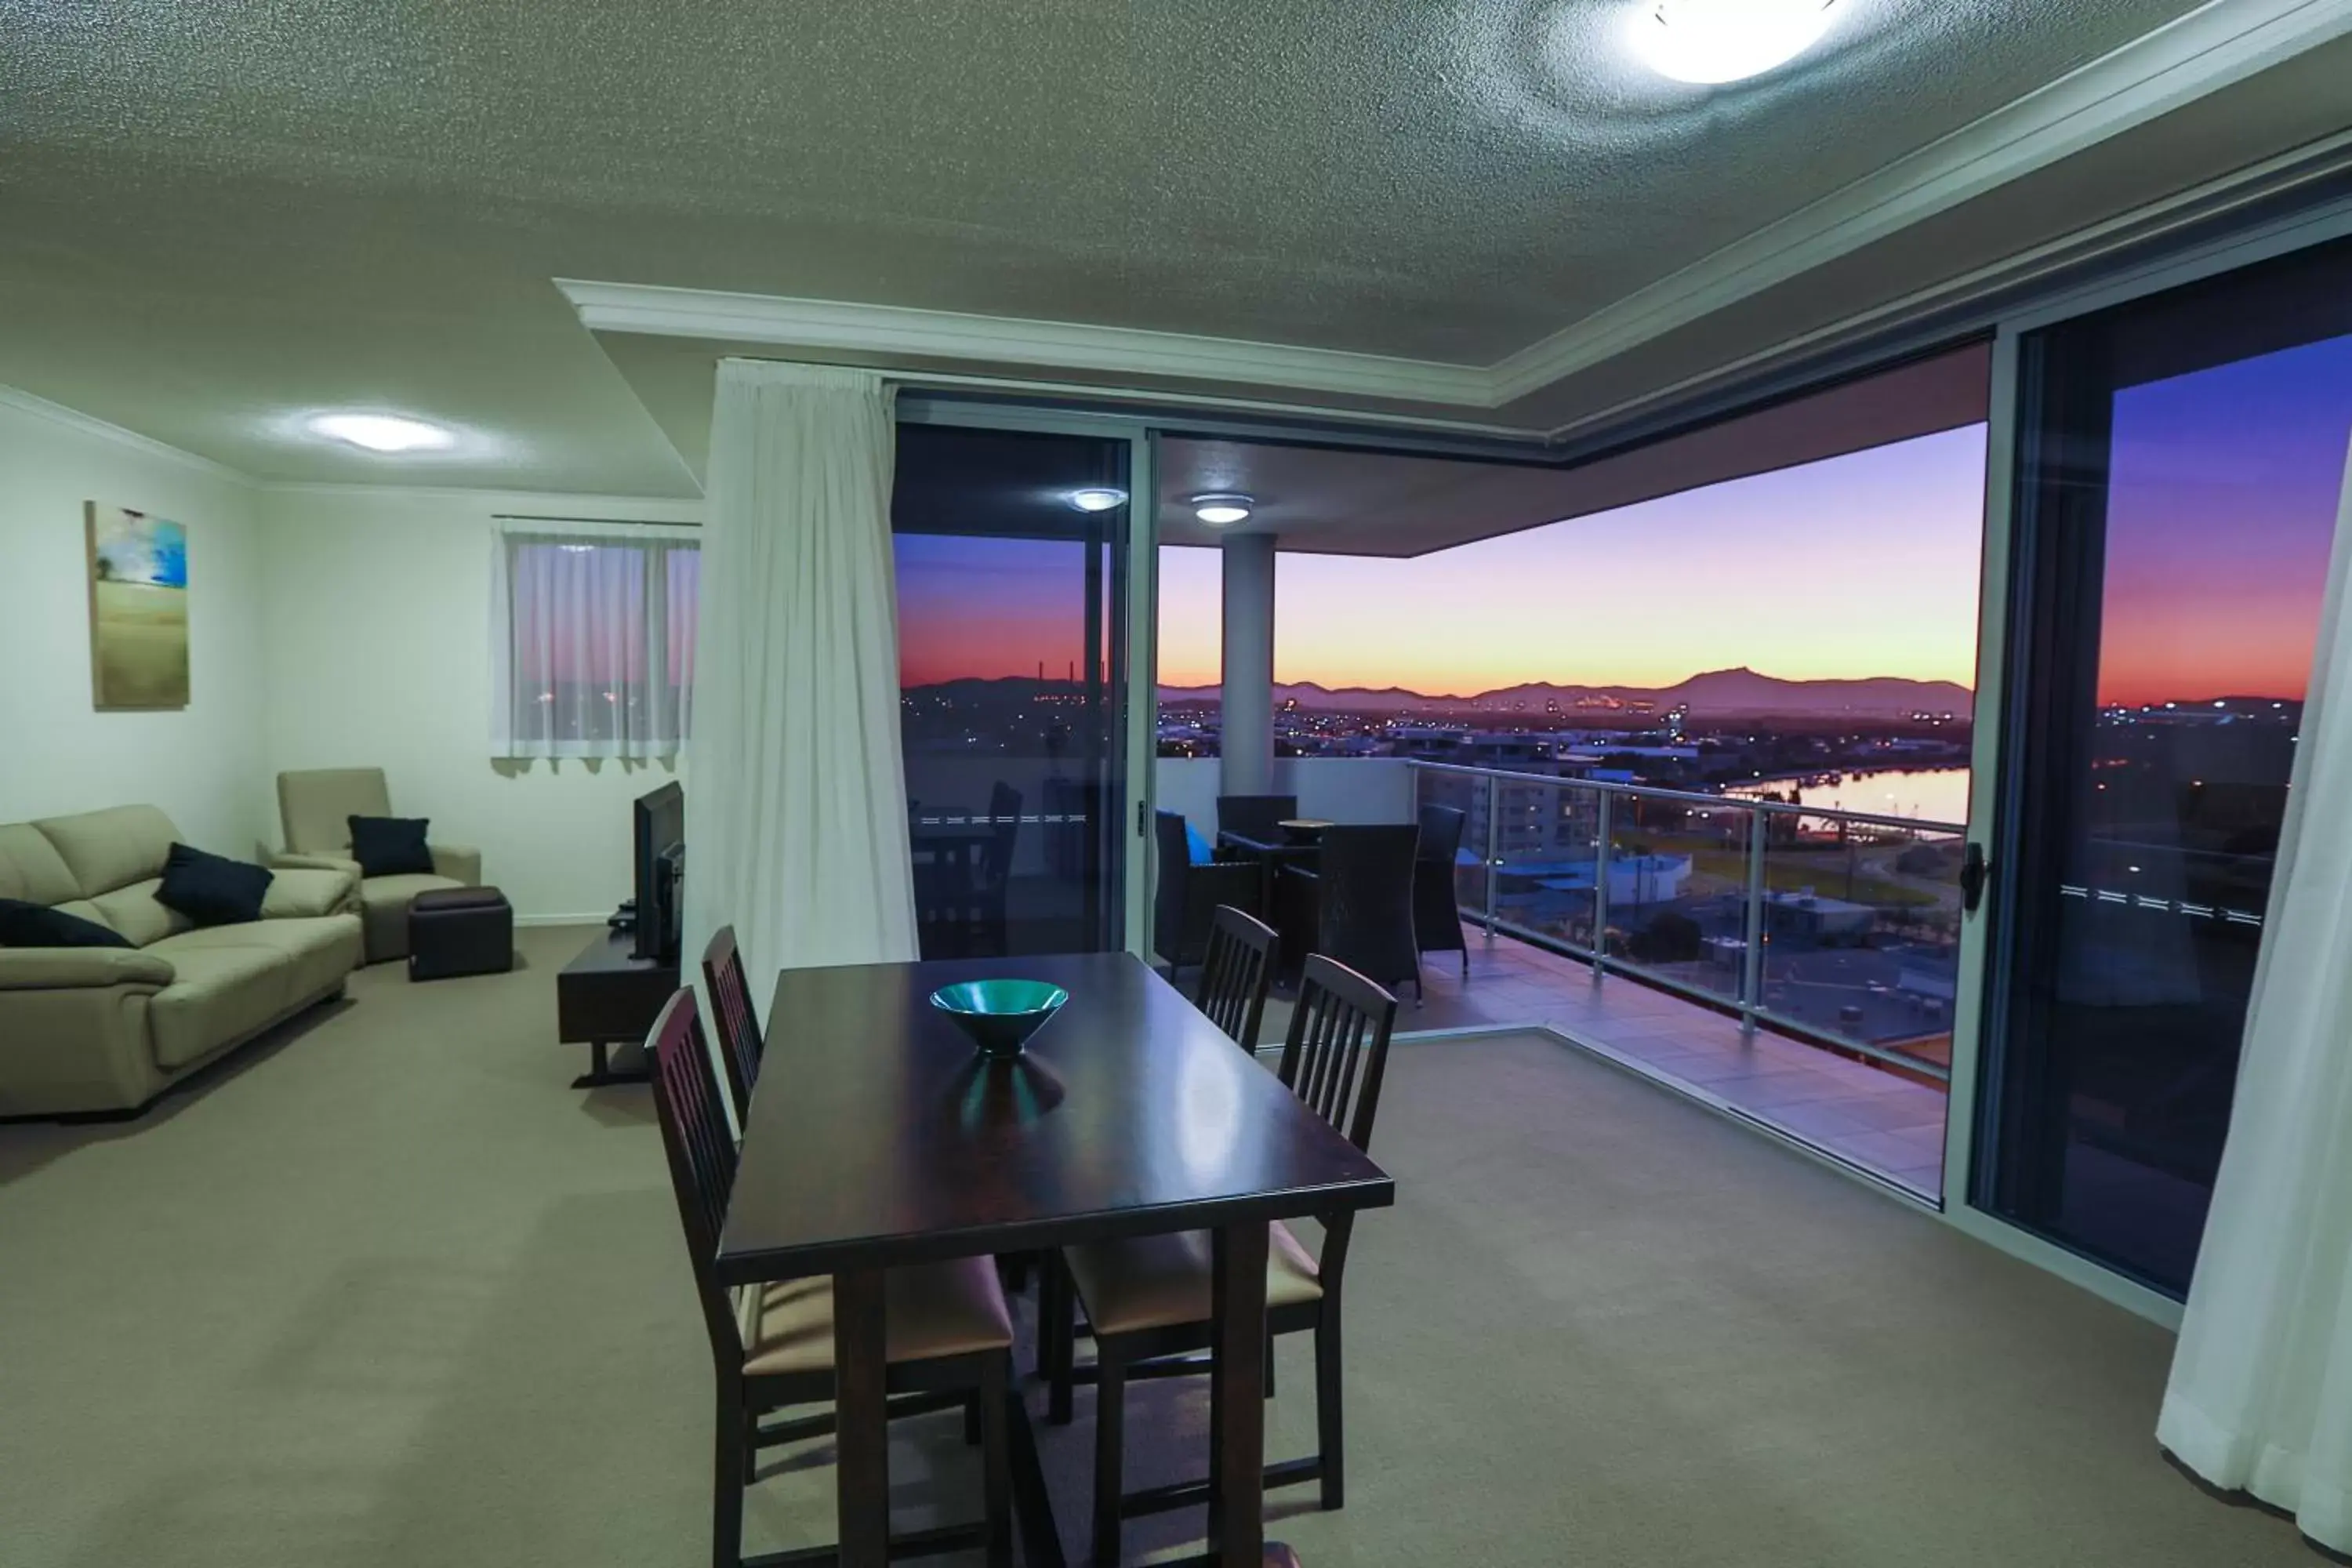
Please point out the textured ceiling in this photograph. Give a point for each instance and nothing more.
(215, 215)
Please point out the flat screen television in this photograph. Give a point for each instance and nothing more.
(660, 840)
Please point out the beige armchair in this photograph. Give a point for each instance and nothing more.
(316, 807)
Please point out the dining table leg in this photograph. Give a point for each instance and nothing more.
(1237, 1396)
(861, 1418)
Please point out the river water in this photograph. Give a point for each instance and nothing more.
(1931, 795)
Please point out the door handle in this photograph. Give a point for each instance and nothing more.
(1975, 872)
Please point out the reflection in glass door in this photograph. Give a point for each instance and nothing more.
(2180, 464)
(1012, 563)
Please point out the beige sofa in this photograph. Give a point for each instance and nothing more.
(107, 1029)
(316, 808)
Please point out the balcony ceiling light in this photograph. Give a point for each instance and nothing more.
(1712, 41)
(1223, 510)
(382, 432)
(1098, 498)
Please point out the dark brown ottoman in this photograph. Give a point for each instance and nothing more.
(459, 930)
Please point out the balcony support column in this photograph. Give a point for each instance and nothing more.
(1246, 746)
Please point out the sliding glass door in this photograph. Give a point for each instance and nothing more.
(2181, 461)
(1012, 558)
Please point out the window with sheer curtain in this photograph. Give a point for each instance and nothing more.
(591, 641)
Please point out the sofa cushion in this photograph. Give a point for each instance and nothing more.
(39, 925)
(112, 848)
(31, 869)
(318, 953)
(212, 889)
(391, 846)
(225, 991)
(136, 912)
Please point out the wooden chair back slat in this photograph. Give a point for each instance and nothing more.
(702, 1158)
(1337, 1051)
(740, 1044)
(1236, 973)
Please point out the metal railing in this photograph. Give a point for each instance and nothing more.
(1837, 927)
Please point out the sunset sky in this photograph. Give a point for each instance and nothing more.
(2221, 508)
(1864, 565)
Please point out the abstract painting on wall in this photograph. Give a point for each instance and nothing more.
(138, 609)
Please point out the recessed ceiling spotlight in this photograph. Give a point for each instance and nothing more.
(1098, 498)
(382, 432)
(1712, 41)
(1223, 510)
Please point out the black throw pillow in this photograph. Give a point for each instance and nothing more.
(391, 846)
(37, 925)
(212, 889)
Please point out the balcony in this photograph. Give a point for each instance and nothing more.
(1790, 966)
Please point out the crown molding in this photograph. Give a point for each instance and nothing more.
(897, 331)
(1983, 289)
(2214, 46)
(74, 419)
(573, 505)
(2219, 45)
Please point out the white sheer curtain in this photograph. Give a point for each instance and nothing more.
(2261, 1397)
(797, 813)
(591, 640)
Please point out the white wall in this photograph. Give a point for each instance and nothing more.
(205, 764)
(378, 624)
(1336, 789)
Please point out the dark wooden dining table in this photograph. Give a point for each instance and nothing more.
(878, 1137)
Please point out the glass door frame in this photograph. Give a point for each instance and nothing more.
(922, 404)
(1996, 804)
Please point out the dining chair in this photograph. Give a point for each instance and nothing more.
(992, 881)
(1436, 907)
(739, 1046)
(1147, 1298)
(1236, 972)
(1185, 899)
(1256, 816)
(949, 1333)
(1360, 893)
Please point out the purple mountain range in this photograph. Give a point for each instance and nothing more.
(1720, 693)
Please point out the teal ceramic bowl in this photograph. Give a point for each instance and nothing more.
(1000, 1015)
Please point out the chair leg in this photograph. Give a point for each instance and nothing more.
(726, 1479)
(995, 1456)
(1330, 1430)
(1060, 1408)
(1269, 1364)
(1110, 1432)
(974, 1419)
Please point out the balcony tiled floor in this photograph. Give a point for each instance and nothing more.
(1881, 1121)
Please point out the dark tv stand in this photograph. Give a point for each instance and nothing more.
(608, 996)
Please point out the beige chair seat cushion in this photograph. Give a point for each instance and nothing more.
(1161, 1281)
(383, 904)
(932, 1310)
(233, 979)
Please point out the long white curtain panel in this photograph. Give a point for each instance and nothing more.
(2261, 1397)
(796, 809)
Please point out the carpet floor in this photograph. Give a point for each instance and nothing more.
(385, 1291)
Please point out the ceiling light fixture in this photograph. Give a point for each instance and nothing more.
(1101, 497)
(1223, 510)
(382, 432)
(1707, 42)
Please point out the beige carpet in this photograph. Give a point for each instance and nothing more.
(389, 1293)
